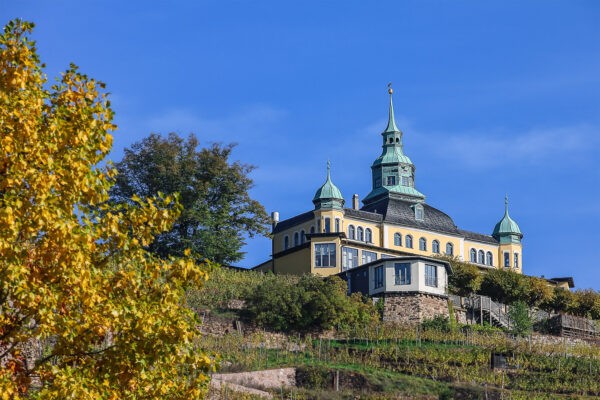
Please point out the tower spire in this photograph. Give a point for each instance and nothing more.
(391, 126)
(328, 168)
(506, 204)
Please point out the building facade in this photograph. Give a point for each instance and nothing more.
(394, 221)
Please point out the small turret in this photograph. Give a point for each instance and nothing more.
(328, 196)
(507, 230)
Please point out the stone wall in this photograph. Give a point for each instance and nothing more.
(413, 308)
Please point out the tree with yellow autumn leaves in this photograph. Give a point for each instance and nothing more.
(85, 311)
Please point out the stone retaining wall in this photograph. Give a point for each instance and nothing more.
(413, 308)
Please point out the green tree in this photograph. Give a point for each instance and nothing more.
(505, 286)
(520, 320)
(312, 302)
(540, 292)
(465, 278)
(71, 277)
(217, 209)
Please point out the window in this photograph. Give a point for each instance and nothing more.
(449, 249)
(377, 182)
(431, 275)
(507, 260)
(391, 140)
(516, 260)
(391, 180)
(489, 258)
(378, 281)
(423, 244)
(319, 225)
(473, 256)
(286, 242)
(419, 213)
(337, 224)
(349, 258)
(368, 256)
(481, 257)
(360, 234)
(397, 140)
(397, 239)
(325, 255)
(368, 236)
(405, 181)
(402, 273)
(435, 247)
(302, 237)
(351, 232)
(327, 225)
(296, 239)
(312, 229)
(408, 241)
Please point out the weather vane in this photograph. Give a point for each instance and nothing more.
(390, 91)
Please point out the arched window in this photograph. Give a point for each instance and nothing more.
(473, 255)
(423, 244)
(337, 224)
(435, 247)
(351, 232)
(397, 239)
(360, 234)
(481, 257)
(408, 241)
(490, 258)
(286, 242)
(368, 236)
(302, 237)
(312, 229)
(296, 239)
(449, 249)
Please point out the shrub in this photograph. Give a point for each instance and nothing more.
(437, 323)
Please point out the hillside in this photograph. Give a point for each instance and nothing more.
(378, 361)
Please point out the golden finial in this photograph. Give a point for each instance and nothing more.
(390, 91)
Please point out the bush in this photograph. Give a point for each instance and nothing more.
(438, 323)
(313, 302)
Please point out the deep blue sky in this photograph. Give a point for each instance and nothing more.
(492, 97)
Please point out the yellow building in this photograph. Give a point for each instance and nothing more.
(394, 220)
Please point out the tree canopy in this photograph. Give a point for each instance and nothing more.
(101, 314)
(218, 211)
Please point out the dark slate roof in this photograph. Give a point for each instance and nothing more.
(400, 212)
(291, 222)
(479, 237)
(370, 216)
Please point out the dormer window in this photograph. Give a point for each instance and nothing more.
(419, 213)
(391, 180)
(405, 181)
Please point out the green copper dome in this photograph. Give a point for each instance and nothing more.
(328, 195)
(507, 228)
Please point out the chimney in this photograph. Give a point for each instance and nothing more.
(274, 218)
(355, 201)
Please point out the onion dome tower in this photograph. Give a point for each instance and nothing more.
(507, 230)
(393, 172)
(328, 196)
